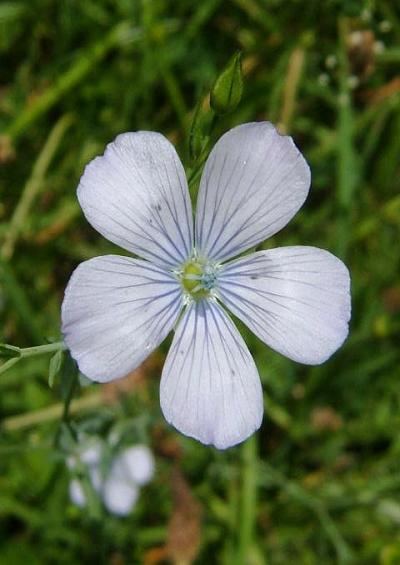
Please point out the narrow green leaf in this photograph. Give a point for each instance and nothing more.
(55, 366)
(9, 351)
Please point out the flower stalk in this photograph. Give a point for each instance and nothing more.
(248, 500)
(20, 353)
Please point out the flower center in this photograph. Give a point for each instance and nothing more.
(198, 278)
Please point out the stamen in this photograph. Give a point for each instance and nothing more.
(198, 278)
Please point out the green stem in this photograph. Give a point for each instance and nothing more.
(197, 169)
(249, 500)
(347, 166)
(31, 352)
(233, 505)
(70, 394)
(42, 349)
(70, 387)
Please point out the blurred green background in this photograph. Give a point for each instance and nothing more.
(320, 482)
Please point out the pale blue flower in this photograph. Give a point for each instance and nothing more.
(117, 309)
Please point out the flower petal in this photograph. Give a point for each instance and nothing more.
(210, 388)
(116, 310)
(254, 182)
(119, 497)
(296, 299)
(136, 195)
(136, 464)
(76, 493)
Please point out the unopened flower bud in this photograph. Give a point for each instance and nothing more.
(228, 88)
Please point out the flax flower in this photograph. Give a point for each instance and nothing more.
(118, 309)
(119, 488)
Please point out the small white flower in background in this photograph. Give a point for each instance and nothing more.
(118, 309)
(89, 455)
(119, 488)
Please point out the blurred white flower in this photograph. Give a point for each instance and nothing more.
(119, 488)
(118, 309)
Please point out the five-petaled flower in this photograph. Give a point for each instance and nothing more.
(118, 309)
